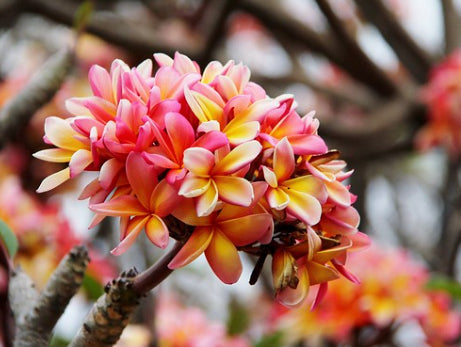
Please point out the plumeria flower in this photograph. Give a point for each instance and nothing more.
(211, 177)
(150, 202)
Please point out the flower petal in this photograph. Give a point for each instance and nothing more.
(206, 203)
(246, 230)
(193, 248)
(338, 193)
(238, 158)
(125, 205)
(284, 160)
(54, 155)
(134, 227)
(310, 185)
(277, 198)
(241, 133)
(320, 273)
(54, 180)
(294, 297)
(79, 162)
(157, 231)
(109, 173)
(303, 206)
(234, 190)
(193, 186)
(142, 177)
(164, 198)
(223, 258)
(59, 132)
(199, 161)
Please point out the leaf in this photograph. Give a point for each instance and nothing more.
(92, 287)
(445, 284)
(83, 15)
(273, 340)
(239, 319)
(58, 341)
(8, 239)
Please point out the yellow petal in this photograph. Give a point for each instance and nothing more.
(54, 180)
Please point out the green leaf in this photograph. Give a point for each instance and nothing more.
(92, 287)
(239, 318)
(273, 340)
(446, 284)
(58, 341)
(83, 15)
(8, 239)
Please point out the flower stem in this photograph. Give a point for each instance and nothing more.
(154, 275)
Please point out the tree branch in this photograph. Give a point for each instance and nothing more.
(451, 24)
(276, 21)
(139, 40)
(17, 112)
(413, 57)
(110, 314)
(36, 318)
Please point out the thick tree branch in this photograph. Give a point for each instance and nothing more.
(34, 326)
(276, 21)
(413, 57)
(452, 26)
(110, 314)
(17, 112)
(139, 40)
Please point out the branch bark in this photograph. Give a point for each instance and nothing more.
(17, 112)
(36, 319)
(412, 56)
(451, 23)
(276, 21)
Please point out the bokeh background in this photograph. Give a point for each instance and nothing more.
(384, 77)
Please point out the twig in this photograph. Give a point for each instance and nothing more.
(412, 56)
(43, 85)
(35, 326)
(139, 40)
(276, 21)
(451, 23)
(353, 53)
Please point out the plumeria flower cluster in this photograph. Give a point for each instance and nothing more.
(209, 159)
(397, 295)
(442, 96)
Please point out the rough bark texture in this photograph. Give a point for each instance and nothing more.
(36, 319)
(110, 314)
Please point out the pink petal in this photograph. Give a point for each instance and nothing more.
(234, 190)
(238, 158)
(135, 226)
(338, 193)
(164, 198)
(142, 177)
(185, 212)
(157, 231)
(180, 133)
(321, 292)
(303, 206)
(79, 162)
(199, 161)
(163, 59)
(125, 205)
(284, 161)
(212, 140)
(193, 248)
(159, 160)
(212, 70)
(269, 177)
(307, 144)
(206, 203)
(184, 65)
(223, 258)
(101, 83)
(54, 180)
(246, 230)
(109, 173)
